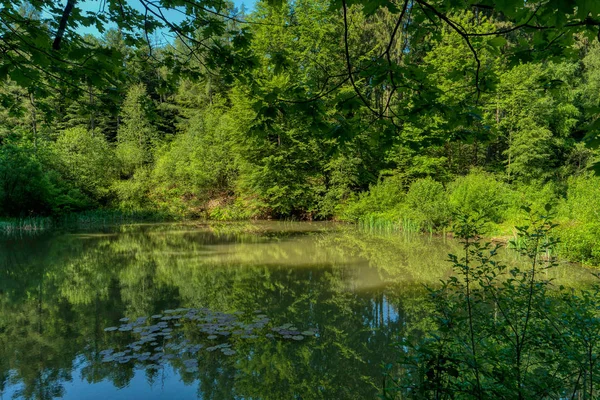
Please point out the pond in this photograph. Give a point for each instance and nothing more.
(264, 310)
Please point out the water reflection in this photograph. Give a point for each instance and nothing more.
(354, 292)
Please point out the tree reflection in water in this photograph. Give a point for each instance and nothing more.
(354, 292)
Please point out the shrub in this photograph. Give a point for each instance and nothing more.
(583, 199)
(427, 204)
(24, 187)
(85, 161)
(479, 193)
(502, 332)
(384, 196)
(580, 242)
(535, 197)
(133, 194)
(232, 210)
(580, 226)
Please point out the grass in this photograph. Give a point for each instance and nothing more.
(382, 223)
(110, 217)
(25, 225)
(86, 219)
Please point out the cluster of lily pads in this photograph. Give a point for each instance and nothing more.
(288, 331)
(162, 339)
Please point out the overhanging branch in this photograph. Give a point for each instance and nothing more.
(62, 26)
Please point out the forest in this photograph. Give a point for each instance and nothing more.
(394, 114)
(456, 142)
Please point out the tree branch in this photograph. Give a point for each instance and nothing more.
(465, 37)
(62, 26)
(349, 63)
(388, 55)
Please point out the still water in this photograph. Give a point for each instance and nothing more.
(267, 310)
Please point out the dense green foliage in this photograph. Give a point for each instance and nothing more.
(385, 113)
(500, 331)
(393, 114)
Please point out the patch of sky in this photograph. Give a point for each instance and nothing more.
(173, 16)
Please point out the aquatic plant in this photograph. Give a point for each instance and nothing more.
(161, 337)
(25, 225)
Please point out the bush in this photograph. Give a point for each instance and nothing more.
(24, 187)
(427, 204)
(479, 193)
(583, 199)
(580, 242)
(133, 194)
(535, 197)
(496, 331)
(232, 210)
(86, 162)
(579, 212)
(384, 196)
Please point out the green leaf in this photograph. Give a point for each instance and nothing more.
(498, 41)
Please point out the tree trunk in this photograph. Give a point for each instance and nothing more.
(33, 120)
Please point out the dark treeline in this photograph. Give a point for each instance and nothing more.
(464, 127)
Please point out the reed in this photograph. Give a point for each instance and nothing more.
(389, 224)
(86, 219)
(110, 217)
(25, 225)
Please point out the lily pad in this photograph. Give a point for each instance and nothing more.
(249, 337)
(194, 349)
